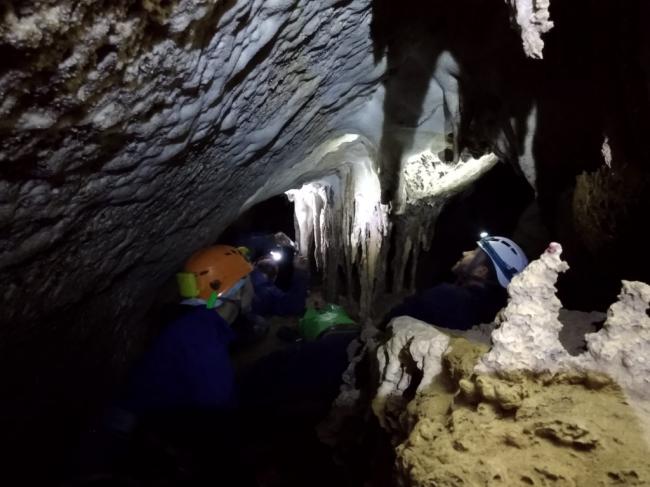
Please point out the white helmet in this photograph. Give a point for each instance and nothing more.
(507, 257)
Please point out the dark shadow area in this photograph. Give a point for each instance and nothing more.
(591, 84)
(484, 207)
(269, 216)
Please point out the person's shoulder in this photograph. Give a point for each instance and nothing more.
(200, 325)
(444, 289)
(258, 278)
(491, 291)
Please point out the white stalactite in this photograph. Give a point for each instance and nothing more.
(534, 19)
(341, 220)
(346, 225)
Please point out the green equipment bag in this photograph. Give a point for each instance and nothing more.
(316, 321)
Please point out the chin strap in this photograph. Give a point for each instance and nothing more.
(215, 300)
(212, 300)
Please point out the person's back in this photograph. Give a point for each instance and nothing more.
(187, 367)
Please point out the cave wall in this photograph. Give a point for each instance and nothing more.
(134, 131)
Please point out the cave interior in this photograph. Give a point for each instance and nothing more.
(382, 137)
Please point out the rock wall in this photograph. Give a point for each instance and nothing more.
(555, 431)
(134, 131)
(128, 128)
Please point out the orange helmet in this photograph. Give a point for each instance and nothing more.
(213, 270)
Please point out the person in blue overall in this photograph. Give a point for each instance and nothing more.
(182, 392)
(277, 247)
(188, 365)
(479, 292)
(271, 300)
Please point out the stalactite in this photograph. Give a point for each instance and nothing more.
(348, 227)
(340, 218)
(534, 19)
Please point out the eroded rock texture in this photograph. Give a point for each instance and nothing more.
(554, 431)
(134, 131)
(154, 112)
(526, 412)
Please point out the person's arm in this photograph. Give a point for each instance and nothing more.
(444, 305)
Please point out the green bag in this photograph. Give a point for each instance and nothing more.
(316, 321)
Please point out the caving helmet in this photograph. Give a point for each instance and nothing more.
(506, 256)
(213, 272)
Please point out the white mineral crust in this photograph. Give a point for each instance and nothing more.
(416, 344)
(528, 336)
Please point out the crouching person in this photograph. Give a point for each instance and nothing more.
(180, 398)
(269, 299)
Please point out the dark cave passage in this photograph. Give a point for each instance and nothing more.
(494, 205)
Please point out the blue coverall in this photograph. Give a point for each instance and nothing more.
(453, 306)
(270, 300)
(187, 367)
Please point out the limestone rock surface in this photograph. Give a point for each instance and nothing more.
(526, 412)
(528, 336)
(126, 125)
(411, 359)
(555, 431)
(135, 131)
